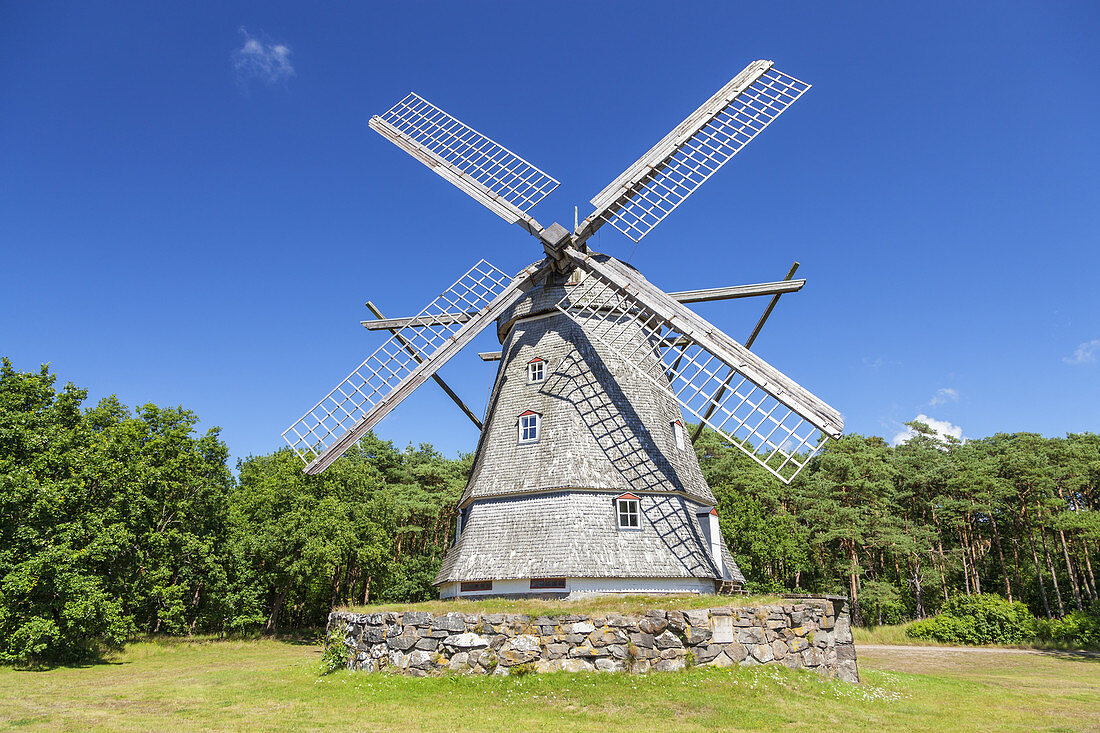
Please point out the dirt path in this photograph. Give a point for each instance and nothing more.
(934, 650)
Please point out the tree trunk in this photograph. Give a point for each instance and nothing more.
(1016, 563)
(273, 619)
(939, 545)
(918, 592)
(1001, 555)
(1072, 575)
(1088, 565)
(963, 556)
(1053, 575)
(853, 587)
(974, 560)
(334, 588)
(1039, 573)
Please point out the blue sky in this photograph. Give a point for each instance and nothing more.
(193, 209)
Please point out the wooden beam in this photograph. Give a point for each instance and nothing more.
(444, 319)
(683, 296)
(489, 355)
(748, 344)
(438, 380)
(737, 291)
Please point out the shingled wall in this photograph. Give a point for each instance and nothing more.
(812, 633)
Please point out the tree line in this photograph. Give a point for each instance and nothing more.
(116, 523)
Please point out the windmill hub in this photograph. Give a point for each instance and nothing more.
(585, 479)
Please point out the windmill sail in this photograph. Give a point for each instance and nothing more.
(408, 359)
(757, 408)
(648, 191)
(484, 169)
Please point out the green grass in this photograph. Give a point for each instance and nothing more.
(597, 605)
(268, 684)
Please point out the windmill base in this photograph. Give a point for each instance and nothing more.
(574, 588)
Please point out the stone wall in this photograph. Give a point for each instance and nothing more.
(812, 633)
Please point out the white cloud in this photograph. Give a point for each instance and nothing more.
(1085, 353)
(944, 395)
(941, 428)
(261, 60)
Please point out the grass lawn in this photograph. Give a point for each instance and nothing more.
(179, 686)
(630, 605)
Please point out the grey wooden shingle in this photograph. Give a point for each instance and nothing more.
(545, 509)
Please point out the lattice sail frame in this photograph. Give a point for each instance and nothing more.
(756, 418)
(672, 170)
(486, 170)
(393, 362)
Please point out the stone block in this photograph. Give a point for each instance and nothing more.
(668, 665)
(696, 635)
(557, 651)
(582, 627)
(417, 618)
(429, 644)
(374, 634)
(847, 671)
(603, 664)
(493, 618)
(420, 659)
(704, 654)
(467, 640)
(721, 611)
(722, 629)
(642, 640)
(576, 665)
(607, 635)
(652, 625)
(697, 617)
(618, 651)
(797, 644)
(588, 651)
(676, 620)
(720, 661)
(454, 622)
(845, 652)
(667, 640)
(735, 651)
(460, 662)
(763, 653)
(779, 649)
(540, 621)
(403, 642)
(752, 635)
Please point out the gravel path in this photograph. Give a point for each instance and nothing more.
(932, 650)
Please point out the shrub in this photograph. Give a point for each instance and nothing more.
(335, 654)
(978, 619)
(1075, 629)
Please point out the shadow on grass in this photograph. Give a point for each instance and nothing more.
(310, 636)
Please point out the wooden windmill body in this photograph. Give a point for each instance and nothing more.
(585, 479)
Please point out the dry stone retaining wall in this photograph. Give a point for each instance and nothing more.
(811, 633)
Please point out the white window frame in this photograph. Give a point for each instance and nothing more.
(536, 371)
(679, 434)
(533, 427)
(628, 508)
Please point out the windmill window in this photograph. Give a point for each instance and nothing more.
(529, 427)
(628, 512)
(547, 583)
(679, 434)
(475, 586)
(536, 371)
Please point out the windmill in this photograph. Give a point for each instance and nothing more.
(584, 479)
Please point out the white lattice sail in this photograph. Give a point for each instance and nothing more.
(413, 348)
(750, 403)
(486, 170)
(648, 191)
